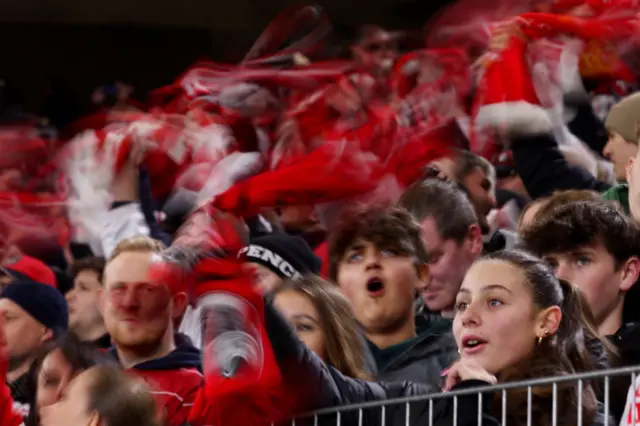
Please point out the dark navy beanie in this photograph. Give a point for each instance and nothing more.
(44, 303)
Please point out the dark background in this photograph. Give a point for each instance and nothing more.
(85, 43)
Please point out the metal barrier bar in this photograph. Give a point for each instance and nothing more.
(606, 375)
(607, 409)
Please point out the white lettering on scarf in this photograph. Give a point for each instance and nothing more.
(273, 259)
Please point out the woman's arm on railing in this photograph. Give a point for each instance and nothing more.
(323, 386)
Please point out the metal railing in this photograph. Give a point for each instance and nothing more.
(352, 415)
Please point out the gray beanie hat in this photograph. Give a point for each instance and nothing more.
(624, 117)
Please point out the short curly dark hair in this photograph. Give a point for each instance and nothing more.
(384, 226)
(583, 223)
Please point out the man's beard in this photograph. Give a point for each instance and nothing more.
(142, 346)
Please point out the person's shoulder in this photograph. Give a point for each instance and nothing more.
(618, 193)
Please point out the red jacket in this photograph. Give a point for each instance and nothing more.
(175, 380)
(9, 416)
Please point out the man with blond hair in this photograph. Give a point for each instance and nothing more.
(139, 316)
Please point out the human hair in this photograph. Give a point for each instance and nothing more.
(81, 356)
(467, 161)
(386, 227)
(120, 399)
(565, 352)
(343, 343)
(560, 198)
(584, 223)
(139, 243)
(92, 263)
(443, 201)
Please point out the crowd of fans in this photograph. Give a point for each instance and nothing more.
(482, 270)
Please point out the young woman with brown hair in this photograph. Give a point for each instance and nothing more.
(515, 320)
(324, 321)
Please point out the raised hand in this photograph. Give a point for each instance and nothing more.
(466, 370)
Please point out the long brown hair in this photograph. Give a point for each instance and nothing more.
(343, 343)
(562, 354)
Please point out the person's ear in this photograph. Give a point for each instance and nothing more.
(179, 302)
(95, 420)
(630, 272)
(548, 322)
(474, 239)
(47, 335)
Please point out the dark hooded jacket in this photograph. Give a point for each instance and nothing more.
(420, 359)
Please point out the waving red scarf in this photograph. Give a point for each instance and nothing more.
(203, 261)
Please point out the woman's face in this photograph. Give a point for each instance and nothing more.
(72, 407)
(55, 373)
(298, 310)
(496, 324)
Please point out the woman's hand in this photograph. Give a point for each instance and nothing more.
(466, 370)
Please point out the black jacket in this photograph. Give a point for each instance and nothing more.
(627, 341)
(321, 386)
(543, 168)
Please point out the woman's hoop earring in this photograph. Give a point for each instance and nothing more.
(544, 334)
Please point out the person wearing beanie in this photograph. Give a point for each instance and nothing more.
(622, 149)
(276, 257)
(35, 314)
(622, 125)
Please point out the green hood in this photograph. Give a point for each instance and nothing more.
(619, 193)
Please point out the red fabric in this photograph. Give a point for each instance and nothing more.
(8, 415)
(166, 142)
(597, 6)
(333, 171)
(39, 216)
(224, 401)
(22, 148)
(507, 77)
(34, 269)
(174, 390)
(411, 157)
(322, 251)
(537, 25)
(600, 60)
